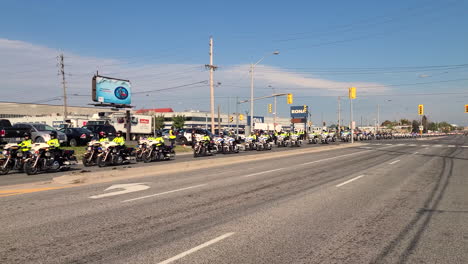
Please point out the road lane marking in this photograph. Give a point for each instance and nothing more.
(400, 144)
(438, 146)
(348, 181)
(315, 161)
(412, 145)
(262, 172)
(415, 153)
(127, 188)
(5, 193)
(158, 194)
(190, 251)
(464, 146)
(393, 162)
(388, 144)
(424, 145)
(451, 146)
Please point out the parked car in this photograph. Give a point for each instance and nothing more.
(109, 129)
(77, 136)
(184, 135)
(40, 133)
(10, 134)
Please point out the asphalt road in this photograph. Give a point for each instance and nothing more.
(16, 177)
(385, 202)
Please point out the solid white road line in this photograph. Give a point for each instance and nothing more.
(451, 146)
(348, 181)
(424, 145)
(158, 194)
(388, 144)
(393, 162)
(262, 172)
(412, 145)
(438, 146)
(464, 146)
(190, 251)
(315, 161)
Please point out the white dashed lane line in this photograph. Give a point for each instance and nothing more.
(348, 181)
(158, 194)
(393, 162)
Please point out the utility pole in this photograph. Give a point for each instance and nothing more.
(251, 98)
(212, 68)
(219, 122)
(237, 116)
(339, 114)
(351, 119)
(378, 117)
(62, 72)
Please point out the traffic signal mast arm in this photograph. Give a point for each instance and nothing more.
(264, 97)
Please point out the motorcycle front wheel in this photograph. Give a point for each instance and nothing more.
(146, 157)
(29, 168)
(100, 161)
(5, 170)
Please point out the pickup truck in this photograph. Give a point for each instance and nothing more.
(10, 134)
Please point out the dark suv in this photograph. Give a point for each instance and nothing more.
(109, 129)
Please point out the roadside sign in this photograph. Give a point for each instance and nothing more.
(299, 111)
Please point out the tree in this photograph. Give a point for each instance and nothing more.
(159, 122)
(424, 123)
(178, 121)
(405, 122)
(415, 126)
(433, 126)
(445, 127)
(386, 123)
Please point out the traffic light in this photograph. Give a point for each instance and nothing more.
(231, 119)
(269, 108)
(420, 109)
(352, 93)
(466, 108)
(290, 98)
(241, 117)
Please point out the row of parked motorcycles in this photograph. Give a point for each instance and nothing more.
(224, 145)
(110, 153)
(41, 158)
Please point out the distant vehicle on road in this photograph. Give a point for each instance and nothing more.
(77, 136)
(40, 133)
(10, 134)
(109, 129)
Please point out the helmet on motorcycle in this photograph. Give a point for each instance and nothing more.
(119, 133)
(27, 135)
(102, 134)
(53, 134)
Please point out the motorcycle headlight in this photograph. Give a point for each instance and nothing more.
(20, 154)
(114, 150)
(47, 154)
(90, 148)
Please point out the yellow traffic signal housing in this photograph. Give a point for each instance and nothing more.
(290, 98)
(420, 109)
(352, 93)
(241, 117)
(231, 119)
(269, 108)
(466, 108)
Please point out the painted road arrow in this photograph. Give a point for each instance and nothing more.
(127, 188)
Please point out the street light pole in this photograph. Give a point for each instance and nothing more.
(252, 67)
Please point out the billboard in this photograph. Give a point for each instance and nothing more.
(256, 119)
(300, 111)
(111, 90)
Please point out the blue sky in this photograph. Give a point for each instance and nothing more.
(387, 46)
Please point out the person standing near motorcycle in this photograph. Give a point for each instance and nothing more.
(103, 137)
(25, 145)
(172, 136)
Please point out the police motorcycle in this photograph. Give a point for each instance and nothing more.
(325, 137)
(111, 154)
(12, 158)
(346, 136)
(204, 148)
(249, 143)
(282, 140)
(314, 138)
(262, 143)
(231, 142)
(46, 158)
(157, 151)
(294, 139)
(92, 152)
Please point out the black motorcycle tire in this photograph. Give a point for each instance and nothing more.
(87, 163)
(146, 157)
(100, 161)
(4, 171)
(30, 169)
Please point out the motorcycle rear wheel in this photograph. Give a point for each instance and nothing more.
(146, 157)
(87, 163)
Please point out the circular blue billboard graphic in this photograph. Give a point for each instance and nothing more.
(121, 93)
